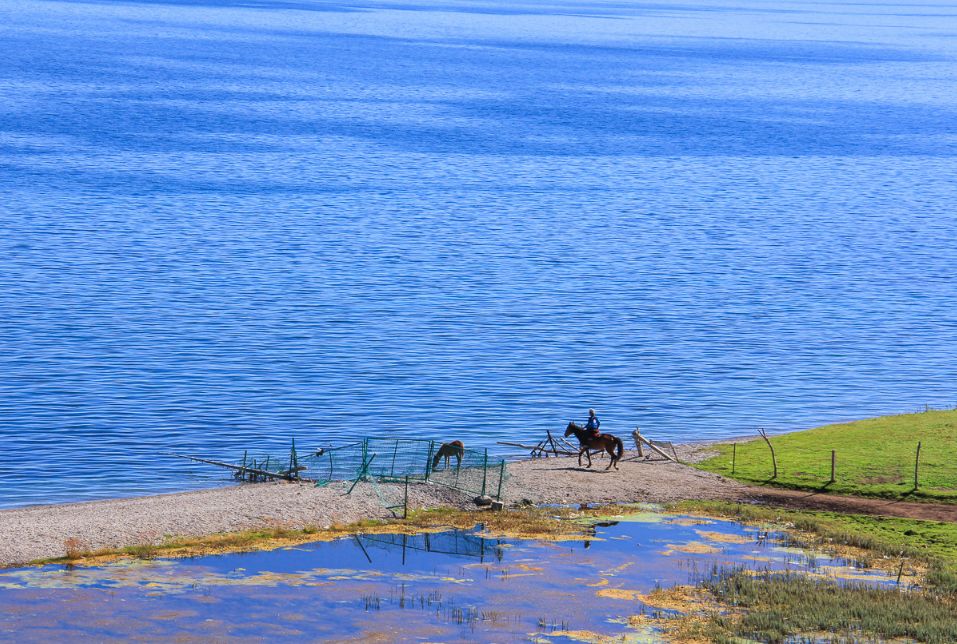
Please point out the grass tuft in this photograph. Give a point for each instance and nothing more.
(932, 542)
(779, 607)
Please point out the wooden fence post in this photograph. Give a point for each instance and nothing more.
(484, 471)
(501, 477)
(916, 465)
(734, 456)
(833, 459)
(774, 460)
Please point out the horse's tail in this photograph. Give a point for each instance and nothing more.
(621, 448)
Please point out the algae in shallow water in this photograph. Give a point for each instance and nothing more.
(495, 593)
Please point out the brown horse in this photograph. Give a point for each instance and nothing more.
(605, 442)
(455, 448)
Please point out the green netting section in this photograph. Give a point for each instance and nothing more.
(388, 460)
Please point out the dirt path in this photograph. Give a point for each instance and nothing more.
(851, 504)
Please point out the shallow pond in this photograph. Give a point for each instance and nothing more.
(445, 586)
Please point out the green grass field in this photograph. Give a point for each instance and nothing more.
(874, 457)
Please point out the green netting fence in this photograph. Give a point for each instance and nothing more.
(386, 460)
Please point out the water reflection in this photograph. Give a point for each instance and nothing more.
(445, 585)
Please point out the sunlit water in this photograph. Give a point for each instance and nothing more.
(224, 224)
(450, 586)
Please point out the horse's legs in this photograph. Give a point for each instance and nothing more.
(611, 451)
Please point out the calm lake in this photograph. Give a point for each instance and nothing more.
(227, 223)
(456, 586)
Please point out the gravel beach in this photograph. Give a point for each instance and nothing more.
(38, 532)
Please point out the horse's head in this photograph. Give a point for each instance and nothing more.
(571, 429)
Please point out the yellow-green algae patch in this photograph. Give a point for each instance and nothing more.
(692, 547)
(723, 537)
(544, 524)
(166, 577)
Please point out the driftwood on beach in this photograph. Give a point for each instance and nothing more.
(287, 475)
(542, 448)
(654, 446)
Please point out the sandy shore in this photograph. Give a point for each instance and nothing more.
(40, 532)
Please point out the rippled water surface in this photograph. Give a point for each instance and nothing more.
(227, 223)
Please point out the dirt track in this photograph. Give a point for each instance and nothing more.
(851, 504)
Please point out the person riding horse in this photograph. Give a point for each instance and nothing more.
(593, 424)
(604, 443)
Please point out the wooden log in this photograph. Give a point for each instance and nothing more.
(561, 452)
(567, 445)
(522, 445)
(552, 442)
(286, 476)
(655, 448)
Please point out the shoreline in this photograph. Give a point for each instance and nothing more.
(39, 533)
(42, 532)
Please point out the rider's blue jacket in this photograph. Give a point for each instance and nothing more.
(593, 423)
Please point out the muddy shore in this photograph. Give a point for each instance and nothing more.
(39, 532)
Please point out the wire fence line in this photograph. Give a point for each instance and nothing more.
(385, 460)
(928, 465)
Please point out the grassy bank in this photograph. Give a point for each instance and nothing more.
(873, 457)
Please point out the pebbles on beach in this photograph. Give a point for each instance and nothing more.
(39, 532)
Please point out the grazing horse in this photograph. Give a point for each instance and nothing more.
(605, 442)
(455, 448)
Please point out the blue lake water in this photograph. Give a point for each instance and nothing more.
(458, 586)
(228, 223)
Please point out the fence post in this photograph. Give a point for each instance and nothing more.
(428, 461)
(242, 472)
(405, 511)
(484, 471)
(833, 459)
(501, 477)
(734, 456)
(394, 452)
(916, 465)
(774, 460)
